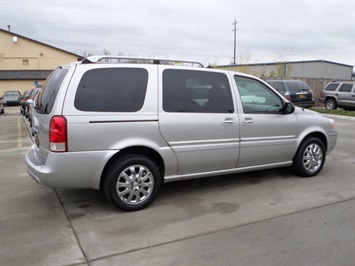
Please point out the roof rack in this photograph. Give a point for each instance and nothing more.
(106, 59)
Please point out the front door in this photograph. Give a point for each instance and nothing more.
(267, 134)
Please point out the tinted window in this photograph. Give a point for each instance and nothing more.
(297, 87)
(45, 100)
(112, 90)
(332, 87)
(257, 97)
(346, 87)
(279, 86)
(196, 91)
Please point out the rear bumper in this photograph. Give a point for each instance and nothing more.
(322, 100)
(9, 103)
(304, 104)
(68, 170)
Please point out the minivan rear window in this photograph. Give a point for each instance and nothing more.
(45, 100)
(112, 90)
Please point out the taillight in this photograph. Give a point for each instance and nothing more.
(287, 96)
(58, 141)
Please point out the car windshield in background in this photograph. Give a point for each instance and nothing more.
(12, 93)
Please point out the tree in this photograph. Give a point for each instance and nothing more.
(283, 69)
(244, 59)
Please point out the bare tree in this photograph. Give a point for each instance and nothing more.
(283, 68)
(86, 54)
(243, 60)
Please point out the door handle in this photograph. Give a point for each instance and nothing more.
(248, 121)
(228, 122)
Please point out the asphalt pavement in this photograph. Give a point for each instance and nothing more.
(260, 218)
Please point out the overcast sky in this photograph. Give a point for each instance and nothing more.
(193, 29)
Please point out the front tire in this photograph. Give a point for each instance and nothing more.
(310, 157)
(132, 182)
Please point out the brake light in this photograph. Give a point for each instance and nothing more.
(58, 141)
(287, 96)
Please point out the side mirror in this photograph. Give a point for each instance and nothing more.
(289, 108)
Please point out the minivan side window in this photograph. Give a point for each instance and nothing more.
(196, 92)
(48, 94)
(257, 97)
(112, 90)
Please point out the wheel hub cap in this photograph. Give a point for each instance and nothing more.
(135, 184)
(312, 157)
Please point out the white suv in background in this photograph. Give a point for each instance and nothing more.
(128, 125)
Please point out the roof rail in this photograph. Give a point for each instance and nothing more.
(139, 60)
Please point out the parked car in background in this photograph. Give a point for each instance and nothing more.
(296, 91)
(339, 94)
(30, 103)
(2, 109)
(12, 98)
(23, 102)
(109, 123)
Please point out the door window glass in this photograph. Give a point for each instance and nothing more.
(257, 97)
(196, 92)
(332, 87)
(346, 87)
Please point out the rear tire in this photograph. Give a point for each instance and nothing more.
(132, 182)
(330, 104)
(310, 157)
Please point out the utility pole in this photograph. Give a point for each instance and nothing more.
(235, 40)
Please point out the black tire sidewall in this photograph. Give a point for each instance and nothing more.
(113, 172)
(333, 102)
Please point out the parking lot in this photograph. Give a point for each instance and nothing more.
(260, 218)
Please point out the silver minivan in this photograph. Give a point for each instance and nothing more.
(128, 125)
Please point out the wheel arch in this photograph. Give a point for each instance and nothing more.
(138, 150)
(331, 97)
(319, 135)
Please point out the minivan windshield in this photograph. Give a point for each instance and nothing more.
(45, 100)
